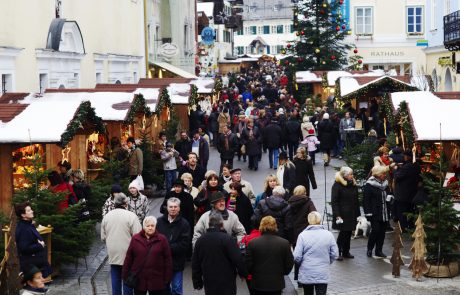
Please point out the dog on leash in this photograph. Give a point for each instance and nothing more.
(363, 225)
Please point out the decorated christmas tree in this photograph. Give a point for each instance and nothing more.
(396, 258)
(355, 62)
(320, 30)
(418, 264)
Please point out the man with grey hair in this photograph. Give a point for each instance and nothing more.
(276, 207)
(177, 230)
(117, 228)
(216, 260)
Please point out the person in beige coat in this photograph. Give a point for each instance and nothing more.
(223, 120)
(135, 159)
(117, 228)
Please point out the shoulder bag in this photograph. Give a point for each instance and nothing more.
(132, 279)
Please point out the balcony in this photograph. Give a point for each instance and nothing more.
(452, 31)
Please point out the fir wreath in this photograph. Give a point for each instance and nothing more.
(139, 105)
(85, 113)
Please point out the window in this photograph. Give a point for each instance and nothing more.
(98, 78)
(273, 29)
(433, 15)
(239, 32)
(253, 30)
(135, 78)
(239, 50)
(414, 20)
(364, 21)
(266, 29)
(267, 49)
(447, 7)
(43, 78)
(292, 29)
(279, 48)
(7, 83)
(279, 29)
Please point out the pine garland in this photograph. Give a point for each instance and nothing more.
(193, 100)
(388, 109)
(164, 101)
(85, 113)
(405, 124)
(139, 105)
(217, 86)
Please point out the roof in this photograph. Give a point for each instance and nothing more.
(448, 95)
(350, 85)
(332, 76)
(427, 112)
(8, 111)
(12, 97)
(173, 69)
(204, 85)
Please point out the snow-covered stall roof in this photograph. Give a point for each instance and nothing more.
(151, 96)
(427, 112)
(350, 84)
(204, 85)
(332, 76)
(41, 121)
(306, 77)
(179, 93)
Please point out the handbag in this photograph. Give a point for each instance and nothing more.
(243, 149)
(132, 279)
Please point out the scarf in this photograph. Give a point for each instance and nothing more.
(224, 213)
(226, 140)
(231, 203)
(385, 161)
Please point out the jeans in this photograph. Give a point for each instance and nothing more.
(312, 156)
(343, 242)
(318, 289)
(377, 236)
(292, 147)
(273, 157)
(176, 284)
(170, 177)
(117, 284)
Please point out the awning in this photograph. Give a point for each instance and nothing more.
(260, 40)
(173, 69)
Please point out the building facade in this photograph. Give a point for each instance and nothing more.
(386, 34)
(440, 62)
(267, 27)
(70, 44)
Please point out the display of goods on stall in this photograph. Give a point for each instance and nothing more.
(95, 146)
(22, 162)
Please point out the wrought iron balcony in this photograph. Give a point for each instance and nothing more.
(452, 31)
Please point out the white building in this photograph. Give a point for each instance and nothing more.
(267, 27)
(386, 33)
(70, 44)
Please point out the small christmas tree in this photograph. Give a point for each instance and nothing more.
(152, 172)
(396, 258)
(355, 62)
(418, 264)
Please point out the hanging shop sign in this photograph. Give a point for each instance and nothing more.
(168, 50)
(445, 61)
(207, 36)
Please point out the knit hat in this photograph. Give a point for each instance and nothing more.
(326, 116)
(29, 273)
(283, 156)
(311, 131)
(281, 111)
(216, 197)
(135, 184)
(235, 170)
(120, 199)
(178, 182)
(379, 170)
(116, 188)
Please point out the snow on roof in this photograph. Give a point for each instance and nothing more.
(150, 95)
(427, 112)
(306, 76)
(41, 121)
(204, 85)
(349, 84)
(179, 93)
(206, 7)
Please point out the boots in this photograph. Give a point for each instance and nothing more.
(340, 258)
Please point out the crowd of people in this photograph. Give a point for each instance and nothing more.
(222, 223)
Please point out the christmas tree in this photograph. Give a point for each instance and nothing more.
(153, 167)
(321, 31)
(418, 264)
(355, 62)
(396, 258)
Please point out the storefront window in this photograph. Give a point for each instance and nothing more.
(23, 161)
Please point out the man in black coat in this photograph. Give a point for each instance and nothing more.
(272, 138)
(187, 209)
(192, 167)
(217, 260)
(177, 230)
(293, 135)
(227, 146)
(201, 147)
(327, 136)
(406, 179)
(183, 145)
(286, 173)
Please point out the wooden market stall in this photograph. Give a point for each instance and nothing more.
(55, 130)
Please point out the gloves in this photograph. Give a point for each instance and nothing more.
(389, 198)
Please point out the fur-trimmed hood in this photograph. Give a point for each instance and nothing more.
(339, 178)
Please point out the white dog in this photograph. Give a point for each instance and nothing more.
(363, 225)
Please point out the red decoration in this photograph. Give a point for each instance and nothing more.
(332, 57)
(360, 61)
(302, 33)
(286, 63)
(341, 2)
(300, 59)
(337, 28)
(288, 46)
(322, 11)
(355, 51)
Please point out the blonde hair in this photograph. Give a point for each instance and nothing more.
(383, 150)
(268, 179)
(314, 218)
(79, 174)
(268, 224)
(302, 153)
(186, 175)
(299, 190)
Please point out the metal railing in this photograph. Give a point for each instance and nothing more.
(452, 31)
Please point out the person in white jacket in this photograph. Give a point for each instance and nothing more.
(117, 228)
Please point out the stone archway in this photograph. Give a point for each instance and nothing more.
(448, 81)
(434, 78)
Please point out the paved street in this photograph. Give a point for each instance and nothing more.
(361, 275)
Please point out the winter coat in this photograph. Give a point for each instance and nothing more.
(277, 208)
(292, 131)
(345, 202)
(305, 126)
(272, 136)
(157, 271)
(315, 250)
(169, 161)
(178, 235)
(304, 174)
(117, 228)
(268, 259)
(213, 122)
(33, 291)
(247, 189)
(232, 226)
(253, 143)
(243, 210)
(183, 146)
(135, 162)
(326, 134)
(187, 210)
(197, 173)
(374, 199)
(289, 176)
(311, 141)
(345, 125)
(215, 263)
(300, 207)
(139, 205)
(233, 144)
(406, 179)
(201, 201)
(203, 151)
(108, 206)
(82, 190)
(224, 120)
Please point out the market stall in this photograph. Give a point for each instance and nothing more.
(56, 131)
